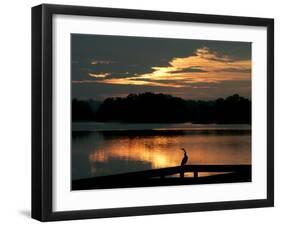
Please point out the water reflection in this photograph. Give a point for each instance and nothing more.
(112, 152)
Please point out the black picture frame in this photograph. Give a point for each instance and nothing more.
(42, 111)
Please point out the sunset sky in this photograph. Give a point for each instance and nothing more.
(111, 66)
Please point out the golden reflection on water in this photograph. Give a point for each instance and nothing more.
(153, 150)
(164, 151)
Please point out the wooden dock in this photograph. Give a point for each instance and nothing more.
(168, 176)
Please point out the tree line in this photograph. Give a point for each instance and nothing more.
(162, 108)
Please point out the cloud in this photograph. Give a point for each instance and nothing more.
(231, 69)
(203, 66)
(102, 75)
(128, 57)
(115, 69)
(189, 69)
(205, 53)
(105, 65)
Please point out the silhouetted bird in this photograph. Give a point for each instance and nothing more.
(185, 158)
(183, 162)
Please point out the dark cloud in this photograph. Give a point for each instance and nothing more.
(163, 81)
(242, 70)
(190, 70)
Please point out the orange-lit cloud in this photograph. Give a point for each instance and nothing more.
(204, 66)
(102, 75)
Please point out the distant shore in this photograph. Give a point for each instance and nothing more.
(111, 126)
(163, 108)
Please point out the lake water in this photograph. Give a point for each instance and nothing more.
(100, 149)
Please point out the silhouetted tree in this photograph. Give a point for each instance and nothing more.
(146, 107)
(81, 110)
(157, 108)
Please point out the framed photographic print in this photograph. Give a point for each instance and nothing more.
(146, 112)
